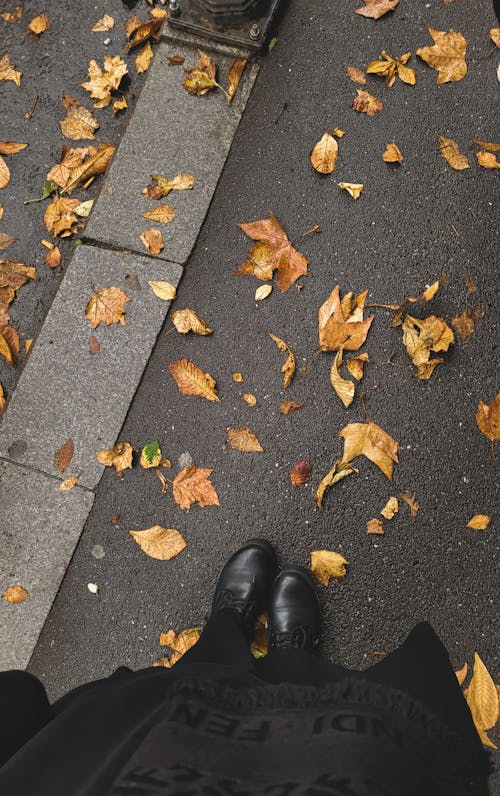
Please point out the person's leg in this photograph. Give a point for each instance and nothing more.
(24, 710)
(223, 641)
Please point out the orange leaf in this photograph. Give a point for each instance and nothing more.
(192, 485)
(376, 8)
(191, 380)
(107, 306)
(63, 456)
(244, 440)
(300, 473)
(273, 251)
(340, 322)
(366, 103)
(488, 418)
(15, 594)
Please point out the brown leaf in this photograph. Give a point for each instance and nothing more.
(192, 485)
(465, 322)
(6, 240)
(340, 322)
(152, 240)
(180, 644)
(488, 418)
(106, 306)
(15, 594)
(272, 251)
(339, 471)
(409, 499)
(289, 406)
(366, 103)
(201, 79)
(104, 23)
(119, 456)
(145, 31)
(79, 122)
(390, 68)
(188, 321)
(63, 456)
(376, 8)
(161, 187)
(447, 55)
(288, 367)
(2, 399)
(354, 189)
(356, 75)
(343, 387)
(4, 173)
(8, 71)
(14, 15)
(39, 24)
(9, 344)
(487, 160)
(91, 167)
(355, 365)
(249, 399)
(102, 82)
(368, 439)
(449, 151)
(234, 77)
(244, 440)
(479, 522)
(324, 154)
(53, 258)
(14, 275)
(191, 380)
(11, 147)
(326, 564)
(420, 337)
(259, 642)
(164, 290)
(94, 345)
(392, 154)
(374, 526)
(131, 25)
(300, 473)
(391, 508)
(482, 697)
(160, 543)
(162, 214)
(144, 58)
(60, 218)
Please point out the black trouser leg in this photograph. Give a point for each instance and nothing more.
(223, 641)
(24, 710)
(298, 666)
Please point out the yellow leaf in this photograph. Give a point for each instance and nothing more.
(340, 134)
(102, 82)
(96, 164)
(288, 368)
(356, 75)
(352, 188)
(238, 377)
(479, 522)
(324, 154)
(119, 105)
(326, 564)
(14, 274)
(449, 151)
(420, 337)
(161, 186)
(391, 508)
(489, 145)
(8, 71)
(152, 240)
(263, 292)
(355, 365)
(27, 344)
(495, 36)
(340, 322)
(191, 380)
(343, 387)
(104, 23)
(487, 160)
(11, 147)
(389, 67)
(482, 697)
(392, 154)
(161, 214)
(366, 103)
(106, 306)
(144, 31)
(4, 173)
(234, 77)
(160, 543)
(249, 399)
(84, 208)
(370, 440)
(462, 674)
(60, 218)
(9, 344)
(375, 526)
(488, 418)
(339, 471)
(180, 644)
(144, 58)
(409, 499)
(14, 15)
(15, 594)
(164, 290)
(201, 79)
(376, 8)
(39, 24)
(2, 399)
(68, 483)
(447, 55)
(188, 321)
(244, 440)
(192, 485)
(119, 456)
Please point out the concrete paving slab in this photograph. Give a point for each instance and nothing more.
(65, 392)
(171, 132)
(39, 526)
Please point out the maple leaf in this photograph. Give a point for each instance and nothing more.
(63, 456)
(479, 522)
(375, 526)
(488, 418)
(9, 344)
(161, 186)
(391, 508)
(326, 564)
(179, 644)
(119, 456)
(39, 24)
(152, 240)
(352, 188)
(487, 160)
(79, 122)
(272, 251)
(450, 152)
(392, 154)
(106, 306)
(150, 455)
(376, 8)
(324, 154)
(464, 324)
(356, 75)
(234, 76)
(339, 471)
(160, 543)
(390, 67)
(289, 406)
(300, 473)
(422, 337)
(192, 485)
(103, 24)
(145, 31)
(188, 321)
(366, 102)
(288, 367)
(15, 594)
(201, 79)
(370, 440)
(164, 290)
(340, 322)
(8, 71)
(446, 55)
(244, 440)
(60, 218)
(355, 365)
(191, 380)
(102, 82)
(343, 387)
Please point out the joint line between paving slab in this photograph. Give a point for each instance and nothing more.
(54, 478)
(102, 244)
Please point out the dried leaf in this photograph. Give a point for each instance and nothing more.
(192, 485)
(8, 71)
(339, 471)
(479, 522)
(9, 344)
(119, 105)
(324, 154)
(495, 36)
(422, 337)
(244, 440)
(104, 23)
(27, 344)
(288, 368)
(391, 508)
(119, 456)
(60, 218)
(370, 440)
(449, 151)
(63, 456)
(446, 55)
(15, 594)
(14, 275)
(14, 15)
(164, 290)
(84, 208)
(160, 543)
(145, 31)
(353, 188)
(272, 251)
(374, 526)
(366, 103)
(39, 24)
(482, 697)
(11, 147)
(343, 387)
(300, 473)
(392, 154)
(191, 380)
(355, 365)
(2, 399)
(259, 642)
(79, 122)
(356, 75)
(131, 25)
(326, 564)
(249, 399)
(409, 499)
(489, 145)
(6, 240)
(175, 60)
(151, 455)
(161, 187)
(180, 644)
(462, 674)
(390, 68)
(68, 483)
(4, 173)
(340, 134)
(487, 160)
(488, 418)
(162, 214)
(376, 8)
(238, 377)
(92, 166)
(201, 79)
(263, 292)
(465, 322)
(106, 306)
(102, 82)
(53, 258)
(289, 406)
(188, 321)
(144, 58)
(152, 240)
(340, 322)
(234, 76)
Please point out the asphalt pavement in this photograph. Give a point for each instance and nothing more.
(412, 223)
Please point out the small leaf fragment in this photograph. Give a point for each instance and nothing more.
(354, 189)
(161, 186)
(94, 345)
(366, 103)
(356, 75)
(343, 387)
(409, 499)
(39, 24)
(487, 160)
(450, 152)
(244, 440)
(392, 154)
(234, 76)
(249, 399)
(390, 509)
(68, 483)
(8, 71)
(339, 471)
(289, 406)
(462, 674)
(375, 526)
(15, 594)
(376, 8)
(341, 323)
(288, 368)
(164, 290)
(152, 240)
(9, 344)
(119, 105)
(162, 214)
(420, 337)
(263, 292)
(160, 543)
(355, 365)
(106, 22)
(188, 321)
(201, 78)
(326, 564)
(119, 456)
(6, 240)
(495, 36)
(176, 59)
(465, 323)
(238, 377)
(63, 456)
(300, 473)
(53, 258)
(191, 380)
(479, 522)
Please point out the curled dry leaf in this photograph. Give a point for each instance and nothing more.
(446, 55)
(162, 214)
(244, 440)
(339, 471)
(152, 239)
(14, 15)
(326, 564)
(160, 543)
(188, 321)
(391, 508)
(482, 697)
(324, 154)
(104, 23)
(119, 456)
(68, 483)
(151, 455)
(356, 75)
(79, 123)
(103, 81)
(53, 258)
(366, 103)
(97, 163)
(144, 31)
(343, 387)
(289, 406)
(355, 365)
(191, 380)
(487, 160)
(201, 78)
(376, 8)
(12, 147)
(390, 67)
(374, 526)
(144, 58)
(234, 76)
(409, 499)
(420, 337)
(15, 594)
(462, 674)
(161, 186)
(39, 24)
(272, 251)
(60, 217)
(495, 36)
(392, 154)
(450, 152)
(354, 189)
(107, 306)
(2, 399)
(479, 522)
(192, 485)
(488, 418)
(465, 322)
(8, 71)
(288, 368)
(340, 322)
(94, 346)
(63, 456)
(9, 344)
(489, 145)
(249, 399)
(370, 440)
(263, 292)
(164, 290)
(300, 473)
(175, 60)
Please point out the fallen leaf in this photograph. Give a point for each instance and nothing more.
(272, 251)
(6, 240)
(488, 418)
(487, 160)
(94, 346)
(14, 15)
(479, 522)
(465, 322)
(390, 67)
(161, 187)
(249, 399)
(324, 154)
(160, 543)
(14, 275)
(144, 31)
(192, 485)
(164, 290)
(68, 483)
(352, 188)
(244, 440)
(340, 322)
(462, 674)
(449, 151)
(343, 387)
(27, 344)
(63, 456)
(409, 499)
(84, 208)
(300, 473)
(102, 82)
(420, 337)
(446, 55)
(8, 71)
(144, 58)
(489, 145)
(259, 642)
(376, 8)
(131, 25)
(234, 76)
(93, 588)
(53, 258)
(495, 36)
(179, 644)
(104, 23)
(426, 296)
(201, 78)
(60, 218)
(9, 344)
(162, 214)
(482, 697)
(175, 60)
(4, 173)
(391, 508)
(288, 367)
(2, 399)
(370, 440)
(11, 147)
(392, 154)
(326, 564)
(95, 164)
(289, 406)
(374, 526)
(356, 75)
(339, 471)
(355, 365)
(157, 13)
(340, 134)
(106, 306)
(164, 482)
(150, 455)
(191, 380)
(1, 211)
(263, 292)
(238, 377)
(119, 105)
(39, 24)
(15, 594)
(79, 123)
(366, 103)
(188, 321)
(119, 456)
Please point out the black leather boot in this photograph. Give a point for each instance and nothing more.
(294, 611)
(245, 582)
